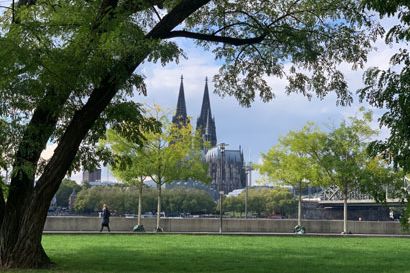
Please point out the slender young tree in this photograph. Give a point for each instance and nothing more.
(294, 161)
(172, 154)
(69, 66)
(128, 165)
(346, 156)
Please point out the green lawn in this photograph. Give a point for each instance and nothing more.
(236, 254)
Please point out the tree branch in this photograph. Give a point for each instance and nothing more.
(156, 13)
(232, 25)
(175, 17)
(248, 15)
(215, 38)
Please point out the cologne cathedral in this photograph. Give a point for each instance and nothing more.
(226, 167)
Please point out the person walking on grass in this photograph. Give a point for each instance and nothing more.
(105, 218)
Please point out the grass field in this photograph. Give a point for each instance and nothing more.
(236, 254)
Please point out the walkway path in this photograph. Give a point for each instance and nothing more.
(229, 234)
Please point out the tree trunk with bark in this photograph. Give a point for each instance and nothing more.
(21, 248)
(139, 202)
(158, 207)
(345, 196)
(300, 205)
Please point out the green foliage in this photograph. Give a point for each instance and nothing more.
(69, 47)
(389, 89)
(346, 156)
(63, 50)
(338, 157)
(164, 154)
(128, 158)
(64, 191)
(296, 158)
(10, 134)
(380, 179)
(264, 202)
(173, 153)
(125, 200)
(118, 199)
(194, 201)
(314, 36)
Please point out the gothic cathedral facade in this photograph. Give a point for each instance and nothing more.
(225, 166)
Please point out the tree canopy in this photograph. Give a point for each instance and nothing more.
(296, 157)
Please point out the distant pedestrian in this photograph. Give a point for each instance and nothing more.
(105, 218)
(391, 215)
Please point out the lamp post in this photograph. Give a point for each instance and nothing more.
(304, 180)
(222, 147)
(221, 194)
(248, 169)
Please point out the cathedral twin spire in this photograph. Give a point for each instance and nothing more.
(181, 117)
(205, 123)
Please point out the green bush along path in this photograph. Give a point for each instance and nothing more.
(236, 254)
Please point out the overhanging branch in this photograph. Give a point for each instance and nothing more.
(215, 38)
(175, 17)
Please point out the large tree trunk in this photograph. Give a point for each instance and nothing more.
(21, 221)
(23, 248)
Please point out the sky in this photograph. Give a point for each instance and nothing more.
(255, 129)
(258, 128)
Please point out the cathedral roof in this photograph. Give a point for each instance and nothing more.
(230, 156)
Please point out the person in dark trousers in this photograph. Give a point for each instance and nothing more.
(105, 218)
